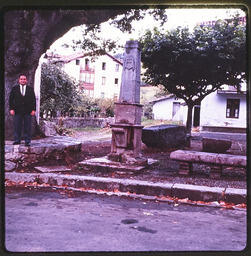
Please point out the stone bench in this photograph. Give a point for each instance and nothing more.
(214, 160)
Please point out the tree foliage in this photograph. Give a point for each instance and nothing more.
(192, 65)
(29, 33)
(60, 95)
(58, 91)
(94, 107)
(92, 41)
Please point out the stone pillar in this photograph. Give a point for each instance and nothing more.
(130, 85)
(37, 83)
(127, 129)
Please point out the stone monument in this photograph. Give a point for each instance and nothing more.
(127, 129)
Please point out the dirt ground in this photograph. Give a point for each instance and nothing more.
(98, 144)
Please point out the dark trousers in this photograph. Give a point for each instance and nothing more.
(22, 121)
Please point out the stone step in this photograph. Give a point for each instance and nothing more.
(138, 187)
(48, 169)
(104, 164)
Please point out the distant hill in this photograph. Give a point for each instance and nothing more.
(148, 93)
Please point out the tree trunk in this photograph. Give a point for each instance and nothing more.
(29, 33)
(189, 123)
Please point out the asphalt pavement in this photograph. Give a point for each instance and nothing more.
(59, 221)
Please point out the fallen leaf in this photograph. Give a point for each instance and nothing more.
(185, 200)
(215, 203)
(148, 213)
(241, 205)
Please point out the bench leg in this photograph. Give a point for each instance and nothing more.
(185, 168)
(215, 171)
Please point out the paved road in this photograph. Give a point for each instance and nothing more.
(50, 221)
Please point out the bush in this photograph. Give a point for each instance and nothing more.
(106, 107)
(148, 110)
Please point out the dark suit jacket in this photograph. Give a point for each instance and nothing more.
(22, 104)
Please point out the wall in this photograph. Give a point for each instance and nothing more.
(213, 111)
(163, 110)
(72, 69)
(77, 122)
(109, 89)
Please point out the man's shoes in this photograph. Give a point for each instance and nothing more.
(27, 144)
(16, 143)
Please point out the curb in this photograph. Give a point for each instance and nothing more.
(138, 187)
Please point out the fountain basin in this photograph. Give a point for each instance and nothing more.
(164, 136)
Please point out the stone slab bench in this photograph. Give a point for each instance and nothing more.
(214, 160)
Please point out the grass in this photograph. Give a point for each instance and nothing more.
(151, 122)
(145, 122)
(86, 129)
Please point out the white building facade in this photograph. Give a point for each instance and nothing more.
(220, 110)
(224, 108)
(170, 108)
(98, 77)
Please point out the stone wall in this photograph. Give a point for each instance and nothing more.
(76, 122)
(41, 151)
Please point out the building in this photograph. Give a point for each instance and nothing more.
(223, 109)
(98, 77)
(242, 21)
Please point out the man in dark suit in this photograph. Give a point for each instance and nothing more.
(22, 104)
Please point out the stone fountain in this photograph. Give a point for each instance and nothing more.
(127, 129)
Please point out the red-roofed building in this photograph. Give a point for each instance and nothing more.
(98, 77)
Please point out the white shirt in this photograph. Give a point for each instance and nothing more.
(22, 87)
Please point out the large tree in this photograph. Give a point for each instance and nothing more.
(29, 33)
(192, 65)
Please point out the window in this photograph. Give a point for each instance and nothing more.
(117, 67)
(103, 65)
(77, 62)
(233, 107)
(103, 80)
(87, 62)
(116, 81)
(102, 95)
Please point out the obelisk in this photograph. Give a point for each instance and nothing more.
(127, 129)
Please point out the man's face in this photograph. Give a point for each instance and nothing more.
(22, 80)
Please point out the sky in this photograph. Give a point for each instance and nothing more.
(175, 17)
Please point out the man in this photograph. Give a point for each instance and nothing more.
(22, 105)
